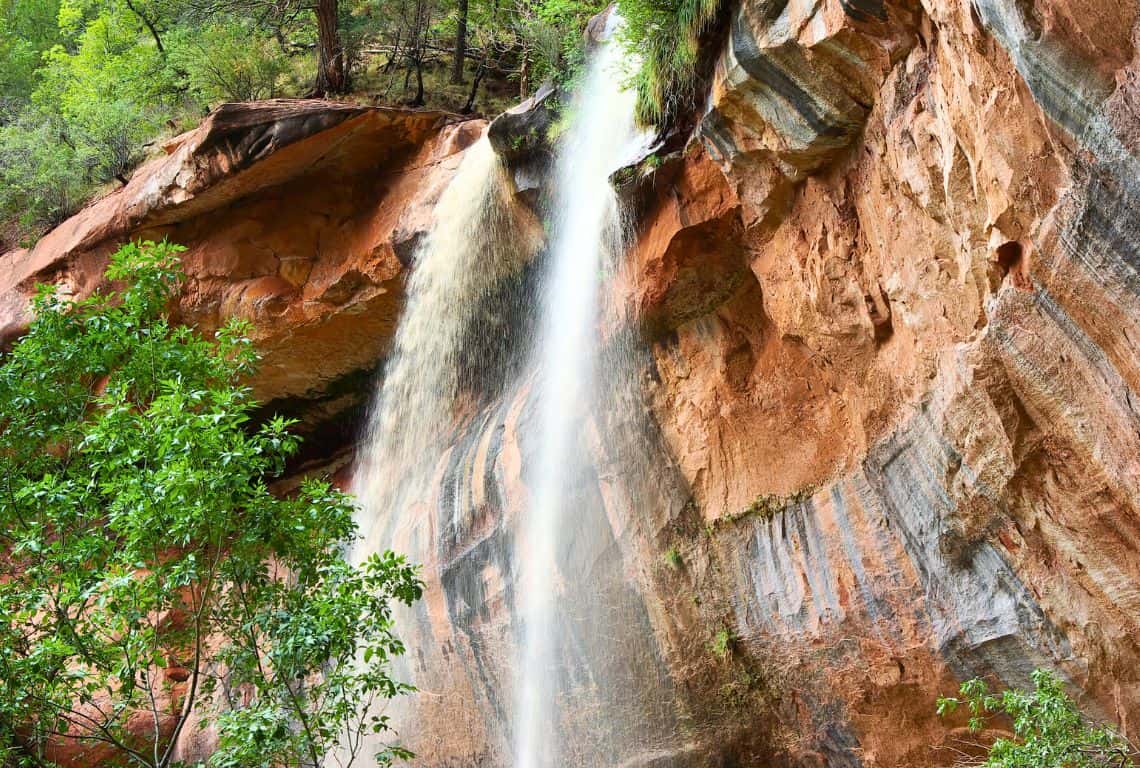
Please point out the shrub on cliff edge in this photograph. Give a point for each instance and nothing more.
(148, 576)
(1049, 731)
(666, 35)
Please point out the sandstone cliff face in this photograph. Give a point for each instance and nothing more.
(299, 216)
(931, 338)
(889, 305)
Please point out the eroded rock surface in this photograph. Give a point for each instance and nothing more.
(927, 379)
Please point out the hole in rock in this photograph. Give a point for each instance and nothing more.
(1010, 260)
(879, 309)
(1009, 256)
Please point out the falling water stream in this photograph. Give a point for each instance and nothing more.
(480, 241)
(585, 235)
(456, 267)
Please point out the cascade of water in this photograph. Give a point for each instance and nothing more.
(478, 238)
(448, 350)
(457, 265)
(585, 234)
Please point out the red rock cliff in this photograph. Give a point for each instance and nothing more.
(918, 225)
(891, 297)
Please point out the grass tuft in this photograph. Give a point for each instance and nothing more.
(666, 34)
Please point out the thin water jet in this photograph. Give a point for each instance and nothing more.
(586, 235)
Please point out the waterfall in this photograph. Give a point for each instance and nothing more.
(585, 238)
(474, 238)
(458, 380)
(477, 235)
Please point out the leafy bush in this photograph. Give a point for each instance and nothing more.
(1049, 730)
(142, 547)
(232, 62)
(112, 89)
(42, 180)
(556, 35)
(27, 29)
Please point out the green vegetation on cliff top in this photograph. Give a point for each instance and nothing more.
(88, 88)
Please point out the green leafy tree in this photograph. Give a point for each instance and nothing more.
(552, 34)
(86, 90)
(1049, 730)
(232, 61)
(42, 179)
(27, 29)
(111, 86)
(150, 577)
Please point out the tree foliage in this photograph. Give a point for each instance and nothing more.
(98, 82)
(150, 577)
(236, 61)
(1049, 731)
(88, 87)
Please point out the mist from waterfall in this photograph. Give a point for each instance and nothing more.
(501, 339)
(586, 238)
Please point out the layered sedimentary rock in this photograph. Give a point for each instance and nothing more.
(884, 435)
(912, 427)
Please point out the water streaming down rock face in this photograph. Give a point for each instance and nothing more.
(969, 413)
(475, 238)
(451, 317)
(585, 238)
(483, 461)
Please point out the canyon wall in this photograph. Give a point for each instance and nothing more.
(882, 434)
(909, 421)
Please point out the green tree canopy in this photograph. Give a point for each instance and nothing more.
(1049, 730)
(150, 577)
(88, 87)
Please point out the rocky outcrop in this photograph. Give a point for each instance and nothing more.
(299, 216)
(911, 427)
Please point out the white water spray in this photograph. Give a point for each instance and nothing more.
(477, 236)
(586, 232)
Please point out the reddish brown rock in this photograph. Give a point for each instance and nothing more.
(890, 290)
(299, 216)
(942, 331)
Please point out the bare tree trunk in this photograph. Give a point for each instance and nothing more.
(460, 43)
(479, 72)
(419, 100)
(395, 54)
(149, 25)
(331, 75)
(524, 74)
